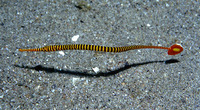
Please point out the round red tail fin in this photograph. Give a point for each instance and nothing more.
(175, 49)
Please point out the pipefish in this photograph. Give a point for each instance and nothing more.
(173, 50)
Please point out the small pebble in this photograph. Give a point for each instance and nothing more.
(96, 69)
(75, 38)
(61, 53)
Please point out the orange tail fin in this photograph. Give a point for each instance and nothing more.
(175, 49)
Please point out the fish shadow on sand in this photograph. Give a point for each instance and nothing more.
(89, 74)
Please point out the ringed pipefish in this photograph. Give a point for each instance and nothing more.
(173, 50)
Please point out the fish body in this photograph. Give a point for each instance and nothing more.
(173, 50)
